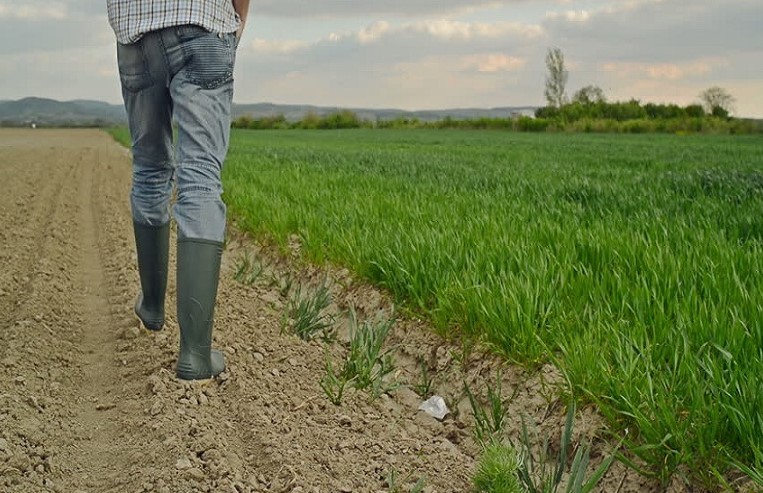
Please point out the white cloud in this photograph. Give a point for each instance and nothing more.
(665, 71)
(278, 47)
(494, 62)
(430, 34)
(450, 29)
(570, 15)
(660, 31)
(350, 8)
(373, 32)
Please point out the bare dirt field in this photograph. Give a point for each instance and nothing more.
(89, 402)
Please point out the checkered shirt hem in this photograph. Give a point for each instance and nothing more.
(131, 19)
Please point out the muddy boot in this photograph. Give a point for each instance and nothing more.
(152, 244)
(198, 272)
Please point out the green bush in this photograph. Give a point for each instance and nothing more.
(527, 124)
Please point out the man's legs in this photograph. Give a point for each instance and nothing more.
(143, 74)
(202, 92)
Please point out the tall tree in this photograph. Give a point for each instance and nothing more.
(717, 101)
(556, 81)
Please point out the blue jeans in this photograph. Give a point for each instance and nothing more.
(185, 72)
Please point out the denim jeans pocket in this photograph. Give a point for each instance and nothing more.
(133, 67)
(209, 57)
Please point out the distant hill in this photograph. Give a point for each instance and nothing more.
(49, 112)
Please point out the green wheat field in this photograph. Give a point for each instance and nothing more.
(632, 262)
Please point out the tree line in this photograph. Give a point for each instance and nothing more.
(556, 123)
(591, 101)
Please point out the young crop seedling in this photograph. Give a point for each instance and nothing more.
(489, 419)
(333, 383)
(283, 283)
(452, 401)
(424, 387)
(247, 269)
(497, 471)
(545, 474)
(308, 314)
(464, 354)
(367, 364)
(395, 486)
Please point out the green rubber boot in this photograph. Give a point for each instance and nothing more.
(198, 273)
(152, 244)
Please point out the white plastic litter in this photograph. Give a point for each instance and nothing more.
(435, 406)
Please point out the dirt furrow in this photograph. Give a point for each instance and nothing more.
(41, 354)
(33, 191)
(98, 386)
(67, 422)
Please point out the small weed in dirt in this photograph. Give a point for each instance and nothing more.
(248, 270)
(282, 282)
(497, 471)
(395, 485)
(308, 314)
(333, 383)
(464, 354)
(489, 419)
(366, 364)
(424, 387)
(545, 474)
(453, 400)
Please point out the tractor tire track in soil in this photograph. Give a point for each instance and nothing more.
(88, 399)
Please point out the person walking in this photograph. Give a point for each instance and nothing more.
(176, 60)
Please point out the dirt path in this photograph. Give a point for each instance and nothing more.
(88, 400)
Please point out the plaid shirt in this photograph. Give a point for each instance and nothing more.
(131, 19)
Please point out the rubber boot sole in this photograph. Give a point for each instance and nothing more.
(152, 325)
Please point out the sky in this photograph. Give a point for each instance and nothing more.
(420, 54)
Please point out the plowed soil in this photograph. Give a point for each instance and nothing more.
(89, 402)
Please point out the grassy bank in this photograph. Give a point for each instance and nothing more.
(633, 261)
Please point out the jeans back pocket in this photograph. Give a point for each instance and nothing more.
(133, 67)
(209, 57)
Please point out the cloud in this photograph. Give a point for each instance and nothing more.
(665, 71)
(570, 15)
(409, 39)
(53, 35)
(450, 30)
(415, 64)
(373, 33)
(350, 8)
(278, 47)
(72, 73)
(56, 9)
(31, 10)
(421, 83)
(495, 62)
(654, 31)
